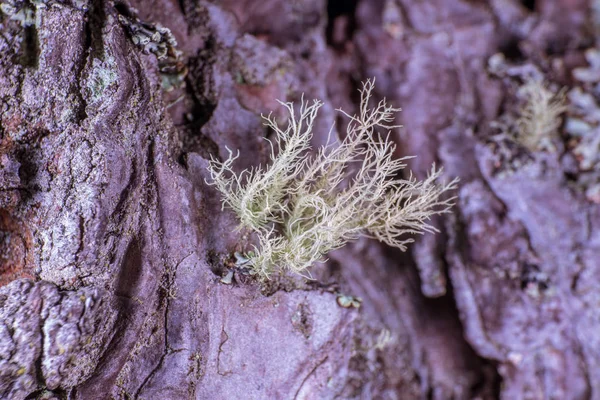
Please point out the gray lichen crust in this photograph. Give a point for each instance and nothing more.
(66, 330)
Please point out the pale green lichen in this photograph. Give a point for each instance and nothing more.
(534, 116)
(544, 106)
(540, 116)
(103, 74)
(302, 207)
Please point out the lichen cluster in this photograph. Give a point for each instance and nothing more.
(301, 207)
(583, 124)
(159, 41)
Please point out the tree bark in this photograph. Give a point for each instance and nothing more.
(113, 246)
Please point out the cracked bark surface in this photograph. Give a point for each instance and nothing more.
(112, 246)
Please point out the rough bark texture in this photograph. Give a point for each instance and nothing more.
(112, 246)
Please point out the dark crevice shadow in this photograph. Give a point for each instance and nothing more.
(31, 48)
(340, 9)
(529, 4)
(443, 313)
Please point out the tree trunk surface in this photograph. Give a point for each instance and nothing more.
(113, 246)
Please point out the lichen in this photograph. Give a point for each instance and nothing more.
(533, 121)
(254, 62)
(301, 207)
(540, 116)
(580, 133)
(583, 125)
(159, 41)
(21, 11)
(103, 75)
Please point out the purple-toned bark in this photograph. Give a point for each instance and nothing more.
(113, 247)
